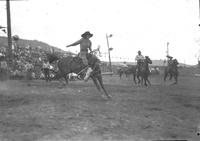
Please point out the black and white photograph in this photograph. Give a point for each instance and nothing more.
(99, 70)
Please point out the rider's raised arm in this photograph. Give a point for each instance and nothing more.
(75, 43)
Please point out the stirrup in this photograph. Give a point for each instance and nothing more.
(79, 77)
(82, 70)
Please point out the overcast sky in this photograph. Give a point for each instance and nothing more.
(145, 25)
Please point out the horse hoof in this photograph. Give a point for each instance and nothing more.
(109, 97)
(106, 97)
(61, 86)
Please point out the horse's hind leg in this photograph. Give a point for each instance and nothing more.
(148, 81)
(170, 76)
(145, 81)
(66, 77)
(165, 76)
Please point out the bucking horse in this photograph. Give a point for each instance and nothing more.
(171, 70)
(75, 64)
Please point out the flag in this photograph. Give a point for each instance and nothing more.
(4, 30)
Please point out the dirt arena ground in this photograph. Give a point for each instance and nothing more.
(44, 112)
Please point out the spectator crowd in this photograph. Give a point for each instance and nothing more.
(27, 63)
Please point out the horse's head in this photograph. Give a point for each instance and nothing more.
(175, 62)
(148, 60)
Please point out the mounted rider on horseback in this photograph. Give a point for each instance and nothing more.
(172, 63)
(139, 59)
(171, 69)
(169, 60)
(85, 44)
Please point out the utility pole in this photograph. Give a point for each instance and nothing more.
(199, 11)
(9, 34)
(199, 25)
(109, 49)
(167, 48)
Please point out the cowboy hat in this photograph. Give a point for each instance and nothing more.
(169, 56)
(86, 33)
(139, 51)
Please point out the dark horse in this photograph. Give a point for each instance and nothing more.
(131, 70)
(71, 64)
(122, 70)
(143, 72)
(172, 71)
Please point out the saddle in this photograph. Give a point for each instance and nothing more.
(139, 65)
(93, 62)
(76, 59)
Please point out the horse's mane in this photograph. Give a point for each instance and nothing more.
(76, 59)
(92, 59)
(175, 62)
(52, 57)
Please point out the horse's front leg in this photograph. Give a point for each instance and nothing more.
(145, 82)
(142, 80)
(60, 78)
(99, 78)
(96, 83)
(148, 81)
(66, 77)
(176, 78)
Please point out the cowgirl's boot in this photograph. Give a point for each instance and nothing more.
(87, 75)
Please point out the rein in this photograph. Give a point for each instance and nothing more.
(82, 70)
